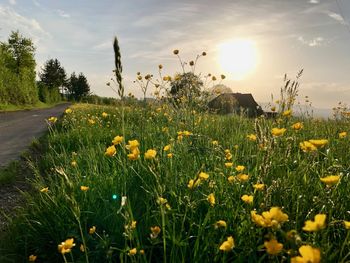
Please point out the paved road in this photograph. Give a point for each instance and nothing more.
(18, 129)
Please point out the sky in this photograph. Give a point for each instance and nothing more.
(313, 35)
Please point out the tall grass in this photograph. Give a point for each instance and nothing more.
(158, 191)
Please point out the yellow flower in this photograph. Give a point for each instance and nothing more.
(67, 111)
(169, 155)
(132, 252)
(287, 113)
(44, 190)
(231, 179)
(32, 258)
(278, 131)
(117, 140)
(248, 199)
(342, 135)
(318, 223)
(155, 231)
(251, 137)
(134, 155)
(308, 255)
(273, 108)
(203, 176)
(84, 188)
(215, 143)
(297, 126)
(319, 143)
(269, 218)
(228, 245)
(347, 224)
(330, 180)
(91, 121)
(133, 144)
(73, 163)
(211, 199)
(220, 223)
(166, 148)
(240, 168)
(307, 146)
(150, 154)
(104, 114)
(142, 252)
(66, 246)
(228, 165)
(162, 201)
(52, 119)
(259, 187)
(82, 248)
(92, 230)
(110, 151)
(228, 156)
(273, 247)
(243, 177)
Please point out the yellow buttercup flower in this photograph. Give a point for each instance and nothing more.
(220, 223)
(82, 248)
(308, 255)
(32, 258)
(297, 126)
(318, 223)
(319, 143)
(155, 231)
(259, 187)
(166, 148)
(67, 111)
(162, 201)
(227, 245)
(52, 119)
(248, 199)
(110, 151)
(104, 114)
(84, 188)
(215, 143)
(211, 199)
(251, 137)
(342, 135)
(66, 246)
(240, 168)
(150, 154)
(271, 218)
(278, 131)
(169, 155)
(91, 121)
(273, 247)
(287, 113)
(307, 146)
(92, 230)
(228, 165)
(44, 190)
(330, 180)
(134, 155)
(132, 252)
(73, 163)
(203, 176)
(347, 224)
(117, 140)
(243, 177)
(231, 179)
(133, 144)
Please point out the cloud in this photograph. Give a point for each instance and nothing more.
(314, 1)
(104, 45)
(337, 17)
(315, 42)
(36, 3)
(12, 2)
(63, 14)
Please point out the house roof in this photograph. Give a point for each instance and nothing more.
(245, 100)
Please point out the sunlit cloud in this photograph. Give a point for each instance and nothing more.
(337, 17)
(314, 1)
(12, 2)
(315, 42)
(63, 14)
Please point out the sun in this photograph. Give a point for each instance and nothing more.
(238, 57)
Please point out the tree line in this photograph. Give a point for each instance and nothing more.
(18, 84)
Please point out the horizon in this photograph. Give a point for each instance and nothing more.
(268, 39)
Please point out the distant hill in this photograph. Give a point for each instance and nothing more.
(303, 109)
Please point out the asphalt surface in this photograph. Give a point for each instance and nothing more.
(18, 129)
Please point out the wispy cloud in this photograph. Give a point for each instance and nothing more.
(337, 17)
(315, 42)
(12, 2)
(63, 14)
(104, 45)
(314, 1)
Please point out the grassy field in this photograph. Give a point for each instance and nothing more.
(152, 184)
(39, 105)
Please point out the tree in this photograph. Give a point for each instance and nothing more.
(186, 87)
(53, 75)
(78, 86)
